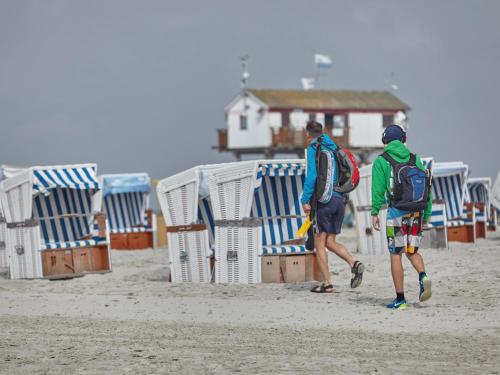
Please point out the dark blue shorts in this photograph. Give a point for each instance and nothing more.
(330, 215)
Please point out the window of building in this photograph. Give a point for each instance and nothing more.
(387, 120)
(243, 122)
(285, 119)
(338, 125)
(328, 120)
(312, 117)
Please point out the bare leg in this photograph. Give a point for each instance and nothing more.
(417, 262)
(397, 272)
(339, 249)
(322, 257)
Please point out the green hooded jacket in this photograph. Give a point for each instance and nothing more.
(381, 177)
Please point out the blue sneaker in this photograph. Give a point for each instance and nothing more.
(397, 305)
(425, 289)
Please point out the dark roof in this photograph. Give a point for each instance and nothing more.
(326, 99)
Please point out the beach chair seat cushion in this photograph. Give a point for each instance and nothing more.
(285, 249)
(131, 230)
(456, 223)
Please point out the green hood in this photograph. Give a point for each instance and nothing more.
(398, 151)
(381, 176)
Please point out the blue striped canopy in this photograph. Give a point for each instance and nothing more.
(205, 216)
(279, 169)
(479, 190)
(77, 177)
(125, 211)
(139, 183)
(277, 202)
(64, 215)
(449, 184)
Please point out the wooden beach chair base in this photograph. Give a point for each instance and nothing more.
(68, 263)
(290, 268)
(480, 230)
(131, 241)
(463, 233)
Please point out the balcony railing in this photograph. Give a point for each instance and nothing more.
(285, 138)
(290, 138)
(222, 139)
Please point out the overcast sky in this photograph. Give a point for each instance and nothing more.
(141, 85)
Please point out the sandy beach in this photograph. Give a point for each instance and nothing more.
(133, 321)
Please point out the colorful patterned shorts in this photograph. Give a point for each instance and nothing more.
(404, 233)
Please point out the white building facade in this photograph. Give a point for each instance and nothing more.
(355, 119)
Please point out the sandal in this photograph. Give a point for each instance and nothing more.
(357, 274)
(322, 288)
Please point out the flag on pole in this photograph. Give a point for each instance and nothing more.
(307, 83)
(322, 61)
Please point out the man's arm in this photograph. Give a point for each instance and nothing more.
(310, 183)
(378, 186)
(428, 209)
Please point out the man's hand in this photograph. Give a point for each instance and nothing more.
(376, 223)
(307, 208)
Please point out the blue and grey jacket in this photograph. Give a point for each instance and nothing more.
(311, 176)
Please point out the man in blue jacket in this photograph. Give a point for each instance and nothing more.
(329, 215)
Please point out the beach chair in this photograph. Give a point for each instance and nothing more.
(186, 206)
(4, 261)
(373, 242)
(257, 212)
(495, 203)
(53, 228)
(369, 241)
(479, 192)
(124, 198)
(449, 185)
(435, 236)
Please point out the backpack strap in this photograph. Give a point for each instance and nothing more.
(390, 159)
(413, 159)
(318, 151)
(314, 198)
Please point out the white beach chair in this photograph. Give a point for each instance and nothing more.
(124, 198)
(479, 192)
(375, 242)
(53, 228)
(495, 202)
(186, 206)
(257, 212)
(4, 261)
(450, 185)
(369, 241)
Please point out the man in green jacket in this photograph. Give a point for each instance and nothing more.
(403, 228)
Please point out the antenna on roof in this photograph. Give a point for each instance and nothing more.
(244, 81)
(244, 73)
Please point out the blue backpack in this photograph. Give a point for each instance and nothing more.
(411, 185)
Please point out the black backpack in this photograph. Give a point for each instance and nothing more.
(325, 159)
(411, 185)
